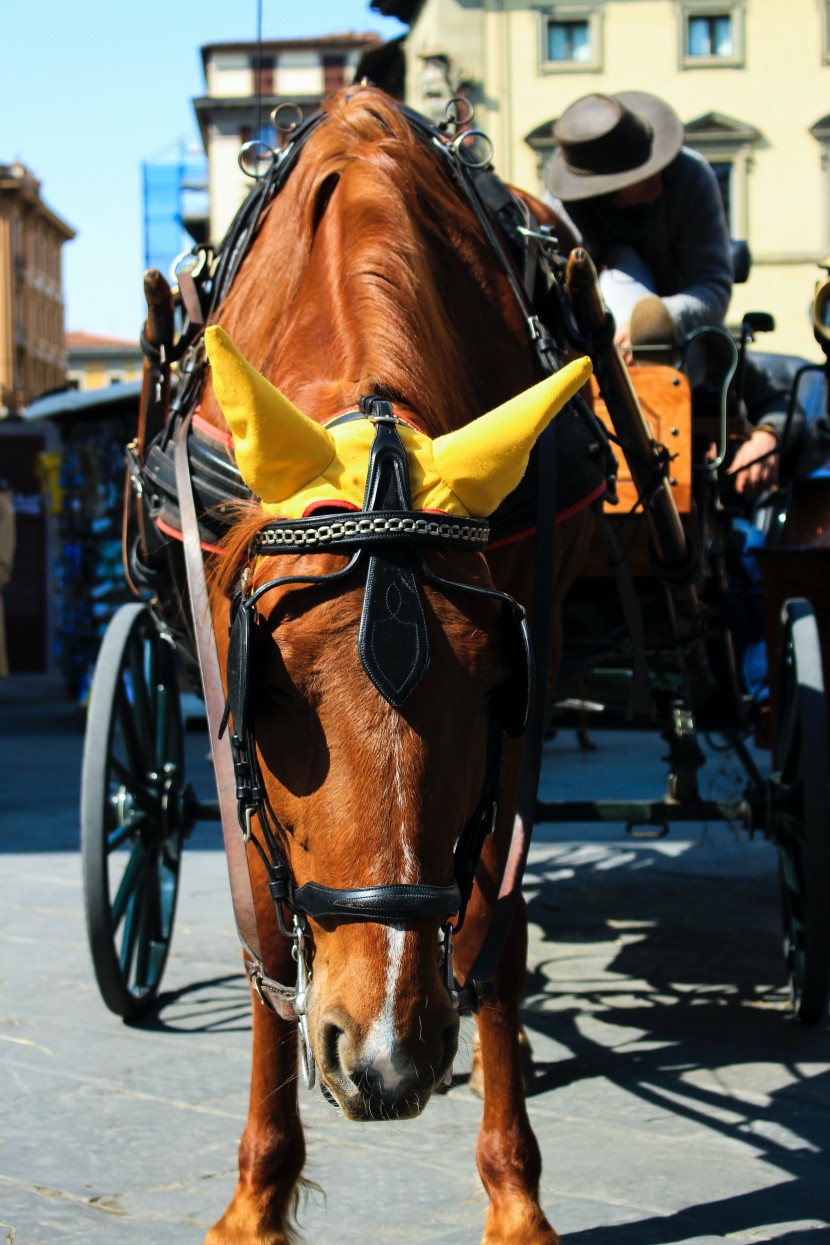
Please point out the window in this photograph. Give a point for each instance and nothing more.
(262, 68)
(571, 38)
(334, 72)
(711, 34)
(265, 134)
(723, 170)
(728, 145)
(569, 41)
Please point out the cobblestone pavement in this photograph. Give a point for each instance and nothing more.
(675, 1099)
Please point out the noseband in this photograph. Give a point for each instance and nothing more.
(394, 650)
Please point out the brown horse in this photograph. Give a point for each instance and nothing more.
(370, 275)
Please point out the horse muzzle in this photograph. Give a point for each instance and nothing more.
(385, 1075)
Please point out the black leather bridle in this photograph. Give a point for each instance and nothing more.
(394, 651)
(392, 539)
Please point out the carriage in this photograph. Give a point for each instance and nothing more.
(188, 490)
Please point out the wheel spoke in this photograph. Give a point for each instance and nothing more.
(130, 880)
(126, 829)
(130, 779)
(136, 757)
(167, 891)
(131, 929)
(142, 656)
(147, 928)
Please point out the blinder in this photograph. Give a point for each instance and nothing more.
(239, 666)
(514, 698)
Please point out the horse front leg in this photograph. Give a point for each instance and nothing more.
(508, 1156)
(272, 1149)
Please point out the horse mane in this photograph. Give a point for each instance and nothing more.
(371, 275)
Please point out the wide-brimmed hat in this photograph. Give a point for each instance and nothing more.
(607, 142)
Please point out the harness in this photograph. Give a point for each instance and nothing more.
(180, 479)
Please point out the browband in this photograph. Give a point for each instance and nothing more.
(379, 527)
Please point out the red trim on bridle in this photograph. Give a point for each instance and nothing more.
(563, 514)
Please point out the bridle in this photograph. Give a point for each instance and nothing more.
(391, 539)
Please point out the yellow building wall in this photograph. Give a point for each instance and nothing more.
(99, 374)
(781, 89)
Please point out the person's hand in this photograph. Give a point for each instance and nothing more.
(750, 476)
(622, 337)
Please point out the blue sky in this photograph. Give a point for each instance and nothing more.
(92, 88)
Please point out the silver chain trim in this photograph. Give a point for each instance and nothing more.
(475, 532)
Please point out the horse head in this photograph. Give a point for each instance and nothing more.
(370, 674)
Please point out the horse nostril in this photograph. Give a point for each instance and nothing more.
(330, 1035)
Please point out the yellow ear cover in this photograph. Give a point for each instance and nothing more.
(485, 460)
(278, 449)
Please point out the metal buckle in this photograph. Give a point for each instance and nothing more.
(256, 986)
(448, 951)
(544, 235)
(134, 468)
(307, 1063)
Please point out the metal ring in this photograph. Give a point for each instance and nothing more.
(294, 111)
(245, 149)
(455, 114)
(462, 148)
(198, 258)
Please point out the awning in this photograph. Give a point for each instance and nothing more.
(86, 403)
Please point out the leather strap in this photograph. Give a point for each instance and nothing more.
(383, 904)
(475, 989)
(362, 528)
(214, 694)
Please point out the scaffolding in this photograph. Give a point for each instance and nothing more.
(175, 205)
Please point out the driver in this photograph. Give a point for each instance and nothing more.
(650, 213)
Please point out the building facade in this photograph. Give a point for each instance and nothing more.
(750, 79)
(93, 361)
(245, 82)
(32, 357)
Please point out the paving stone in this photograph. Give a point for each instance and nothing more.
(676, 1102)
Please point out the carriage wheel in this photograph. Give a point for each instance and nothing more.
(135, 809)
(801, 799)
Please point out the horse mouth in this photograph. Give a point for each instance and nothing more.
(365, 1107)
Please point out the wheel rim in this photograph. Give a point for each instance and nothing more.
(802, 798)
(134, 810)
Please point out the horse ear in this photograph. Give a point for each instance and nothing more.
(278, 449)
(485, 460)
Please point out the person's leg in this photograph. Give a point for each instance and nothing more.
(625, 281)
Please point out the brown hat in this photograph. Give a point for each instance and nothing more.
(610, 141)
